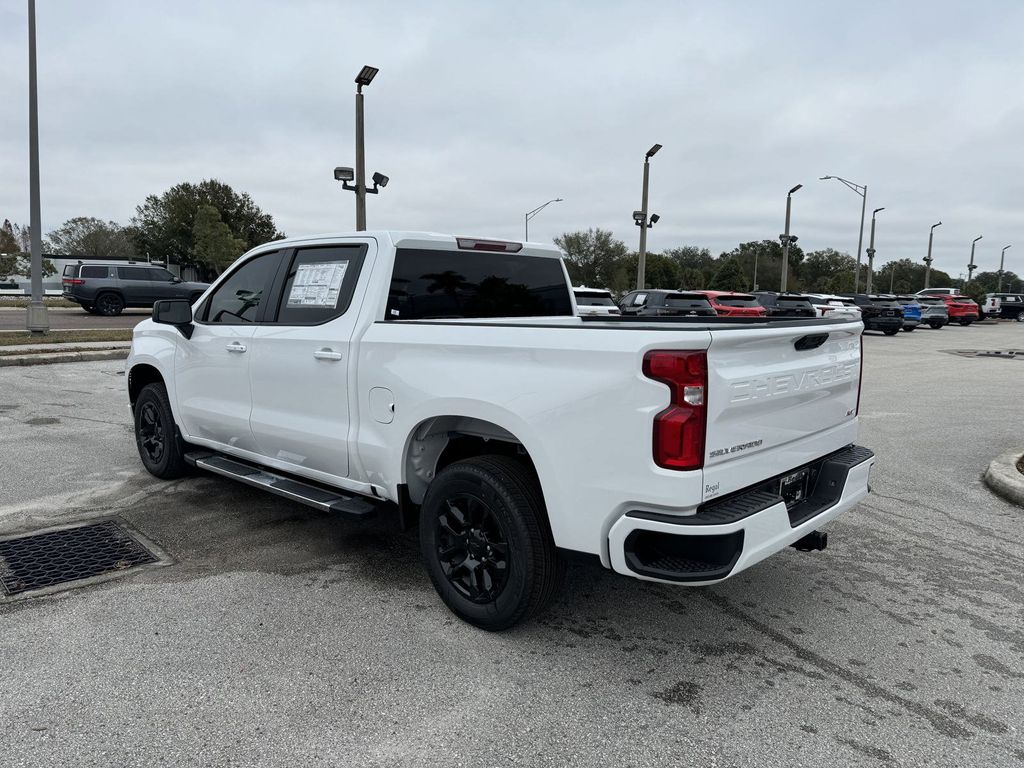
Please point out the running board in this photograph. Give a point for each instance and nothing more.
(324, 499)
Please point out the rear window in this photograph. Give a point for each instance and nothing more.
(686, 301)
(458, 284)
(793, 301)
(737, 301)
(88, 271)
(69, 270)
(594, 299)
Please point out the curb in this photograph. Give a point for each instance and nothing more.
(65, 357)
(1004, 479)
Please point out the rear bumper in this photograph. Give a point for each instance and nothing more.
(728, 536)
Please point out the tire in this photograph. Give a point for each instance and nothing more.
(891, 331)
(89, 308)
(935, 326)
(909, 328)
(965, 323)
(109, 304)
(156, 435)
(471, 506)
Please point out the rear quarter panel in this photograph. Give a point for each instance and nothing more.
(575, 397)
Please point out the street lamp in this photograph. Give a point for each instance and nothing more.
(344, 175)
(862, 190)
(37, 320)
(1002, 256)
(928, 258)
(787, 239)
(871, 251)
(971, 267)
(640, 219)
(530, 214)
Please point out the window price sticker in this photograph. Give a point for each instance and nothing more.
(317, 285)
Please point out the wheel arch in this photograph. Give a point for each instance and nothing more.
(438, 441)
(139, 376)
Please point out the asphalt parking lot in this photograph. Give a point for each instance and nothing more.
(283, 637)
(71, 319)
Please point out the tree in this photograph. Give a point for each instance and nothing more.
(214, 245)
(88, 236)
(822, 269)
(690, 257)
(15, 260)
(692, 279)
(593, 257)
(729, 277)
(8, 240)
(768, 254)
(164, 226)
(659, 271)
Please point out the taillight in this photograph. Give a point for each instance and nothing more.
(72, 281)
(679, 429)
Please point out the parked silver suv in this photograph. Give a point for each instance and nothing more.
(106, 289)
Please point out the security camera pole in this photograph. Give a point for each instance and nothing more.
(37, 320)
(345, 175)
(971, 267)
(928, 258)
(1002, 257)
(640, 219)
(871, 251)
(786, 239)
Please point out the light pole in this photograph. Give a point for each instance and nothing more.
(928, 258)
(1002, 256)
(971, 267)
(534, 212)
(37, 320)
(786, 239)
(345, 175)
(862, 190)
(640, 219)
(871, 251)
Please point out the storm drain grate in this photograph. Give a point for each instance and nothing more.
(42, 560)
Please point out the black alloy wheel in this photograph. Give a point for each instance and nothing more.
(486, 543)
(160, 447)
(109, 304)
(152, 436)
(472, 548)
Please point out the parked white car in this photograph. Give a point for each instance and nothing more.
(595, 302)
(447, 381)
(828, 305)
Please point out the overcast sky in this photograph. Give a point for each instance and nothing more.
(482, 111)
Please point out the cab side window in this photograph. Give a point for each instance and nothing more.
(238, 299)
(319, 284)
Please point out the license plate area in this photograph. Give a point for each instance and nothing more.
(793, 487)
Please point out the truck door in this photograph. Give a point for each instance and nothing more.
(302, 375)
(212, 368)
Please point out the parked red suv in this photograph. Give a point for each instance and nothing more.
(961, 309)
(730, 304)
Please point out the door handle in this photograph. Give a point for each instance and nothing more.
(234, 346)
(327, 354)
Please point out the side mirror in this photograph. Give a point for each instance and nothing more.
(175, 279)
(176, 312)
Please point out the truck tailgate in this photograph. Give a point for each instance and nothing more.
(782, 391)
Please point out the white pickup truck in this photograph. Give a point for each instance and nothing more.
(450, 381)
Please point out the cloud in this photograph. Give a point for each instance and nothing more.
(483, 111)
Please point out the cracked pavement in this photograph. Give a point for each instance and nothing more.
(282, 636)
